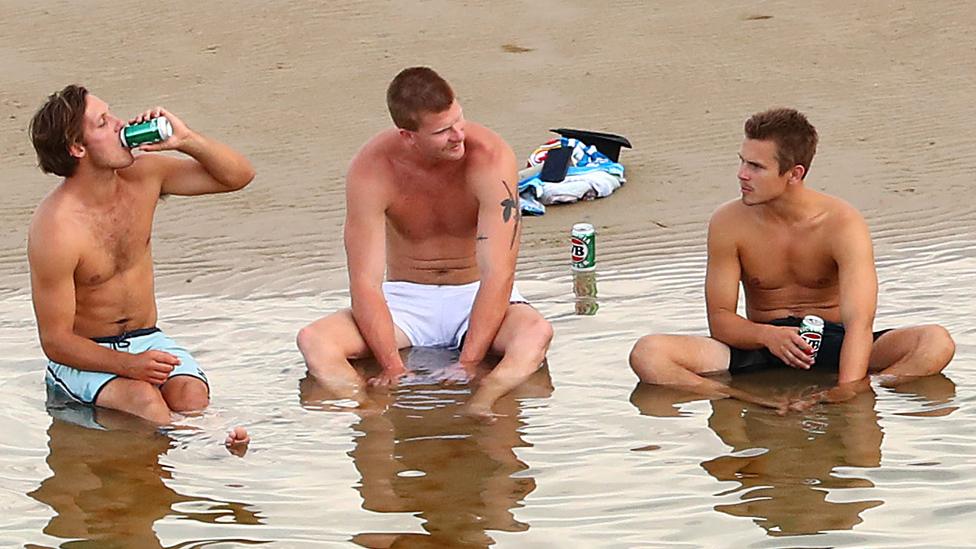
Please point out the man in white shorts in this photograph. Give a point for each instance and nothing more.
(434, 203)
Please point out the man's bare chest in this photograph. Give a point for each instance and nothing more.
(430, 212)
(114, 242)
(773, 261)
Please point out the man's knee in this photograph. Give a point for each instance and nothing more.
(306, 339)
(643, 358)
(313, 341)
(541, 330)
(185, 394)
(936, 347)
(138, 398)
(534, 336)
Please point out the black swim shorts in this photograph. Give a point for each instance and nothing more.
(828, 357)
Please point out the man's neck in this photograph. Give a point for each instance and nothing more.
(94, 186)
(792, 207)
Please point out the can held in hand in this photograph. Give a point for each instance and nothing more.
(811, 330)
(583, 247)
(151, 131)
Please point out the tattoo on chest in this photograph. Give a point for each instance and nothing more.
(511, 210)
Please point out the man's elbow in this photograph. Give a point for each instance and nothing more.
(54, 346)
(243, 177)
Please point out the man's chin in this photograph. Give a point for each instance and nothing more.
(749, 200)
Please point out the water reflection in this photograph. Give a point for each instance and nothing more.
(416, 454)
(108, 486)
(585, 292)
(786, 466)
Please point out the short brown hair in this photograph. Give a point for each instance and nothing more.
(57, 125)
(414, 91)
(795, 137)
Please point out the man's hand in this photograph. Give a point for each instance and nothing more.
(786, 344)
(389, 376)
(839, 393)
(180, 131)
(150, 366)
(461, 372)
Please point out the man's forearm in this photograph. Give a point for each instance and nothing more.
(84, 354)
(375, 323)
(487, 314)
(855, 353)
(223, 163)
(736, 331)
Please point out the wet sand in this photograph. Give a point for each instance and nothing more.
(299, 87)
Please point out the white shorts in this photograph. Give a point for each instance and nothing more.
(434, 316)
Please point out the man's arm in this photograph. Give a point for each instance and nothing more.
(722, 276)
(858, 297)
(499, 231)
(53, 259)
(365, 241)
(214, 168)
(858, 281)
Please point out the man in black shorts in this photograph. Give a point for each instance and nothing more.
(796, 252)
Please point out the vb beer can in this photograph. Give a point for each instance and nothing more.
(811, 330)
(151, 131)
(583, 247)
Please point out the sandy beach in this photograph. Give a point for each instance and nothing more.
(298, 87)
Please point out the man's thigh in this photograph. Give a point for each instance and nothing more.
(698, 354)
(340, 330)
(135, 397)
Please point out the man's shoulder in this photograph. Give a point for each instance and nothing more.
(57, 204)
(731, 212)
(374, 155)
(485, 146)
(54, 224)
(840, 213)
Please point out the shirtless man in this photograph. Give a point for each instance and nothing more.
(434, 203)
(91, 261)
(796, 252)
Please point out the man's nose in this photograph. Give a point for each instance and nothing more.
(742, 175)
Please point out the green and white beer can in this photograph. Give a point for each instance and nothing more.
(151, 131)
(583, 247)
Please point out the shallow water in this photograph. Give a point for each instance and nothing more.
(599, 461)
(582, 456)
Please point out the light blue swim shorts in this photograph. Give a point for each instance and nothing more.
(84, 386)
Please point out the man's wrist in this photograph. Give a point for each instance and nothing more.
(765, 333)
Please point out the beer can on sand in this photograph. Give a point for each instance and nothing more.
(583, 247)
(151, 131)
(811, 330)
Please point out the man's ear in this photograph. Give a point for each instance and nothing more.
(797, 173)
(77, 150)
(406, 135)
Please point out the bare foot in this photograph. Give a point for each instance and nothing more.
(479, 414)
(237, 441)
